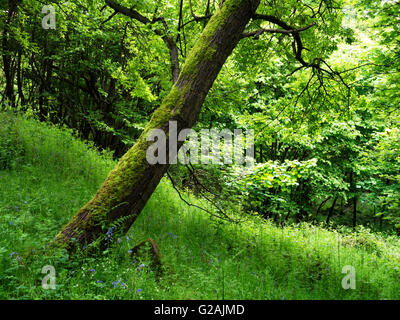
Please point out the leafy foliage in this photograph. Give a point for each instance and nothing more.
(323, 103)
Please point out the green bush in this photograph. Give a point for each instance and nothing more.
(11, 148)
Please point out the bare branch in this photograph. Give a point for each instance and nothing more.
(297, 44)
(168, 40)
(223, 217)
(128, 12)
(259, 32)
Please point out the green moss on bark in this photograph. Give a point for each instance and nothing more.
(120, 181)
(203, 50)
(124, 177)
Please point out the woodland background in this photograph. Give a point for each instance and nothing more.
(325, 192)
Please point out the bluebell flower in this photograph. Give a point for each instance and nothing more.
(99, 281)
(110, 231)
(109, 234)
(92, 270)
(141, 267)
(139, 290)
(14, 253)
(11, 223)
(115, 283)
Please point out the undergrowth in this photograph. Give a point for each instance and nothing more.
(47, 174)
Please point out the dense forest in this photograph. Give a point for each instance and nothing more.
(307, 90)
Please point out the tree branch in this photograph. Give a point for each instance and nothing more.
(168, 40)
(223, 216)
(297, 43)
(259, 32)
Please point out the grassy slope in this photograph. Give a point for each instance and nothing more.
(51, 174)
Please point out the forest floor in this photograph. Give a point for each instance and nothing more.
(50, 174)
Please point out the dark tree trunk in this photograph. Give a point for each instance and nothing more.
(354, 199)
(320, 207)
(130, 184)
(302, 194)
(331, 210)
(8, 67)
(19, 80)
(354, 212)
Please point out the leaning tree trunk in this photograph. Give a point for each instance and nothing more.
(130, 184)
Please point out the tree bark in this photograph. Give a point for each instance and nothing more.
(8, 68)
(354, 199)
(331, 210)
(130, 184)
(354, 212)
(320, 207)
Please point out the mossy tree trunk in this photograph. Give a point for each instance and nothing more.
(130, 184)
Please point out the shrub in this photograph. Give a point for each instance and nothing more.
(11, 147)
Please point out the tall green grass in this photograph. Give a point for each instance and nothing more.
(51, 174)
